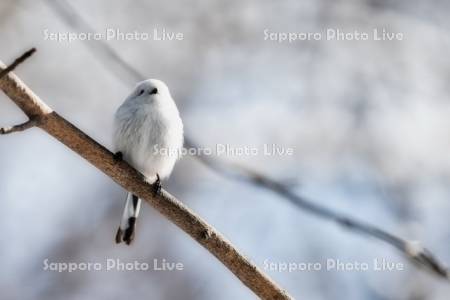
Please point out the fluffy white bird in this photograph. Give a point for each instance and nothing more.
(148, 134)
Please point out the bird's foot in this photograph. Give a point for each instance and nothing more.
(118, 156)
(157, 186)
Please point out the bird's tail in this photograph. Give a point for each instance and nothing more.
(125, 233)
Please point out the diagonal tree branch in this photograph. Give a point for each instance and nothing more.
(131, 180)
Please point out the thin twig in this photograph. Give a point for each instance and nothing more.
(417, 254)
(423, 258)
(414, 251)
(17, 62)
(20, 127)
(69, 15)
(33, 121)
(132, 181)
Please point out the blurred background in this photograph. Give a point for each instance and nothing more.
(368, 122)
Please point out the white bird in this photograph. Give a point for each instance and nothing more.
(148, 134)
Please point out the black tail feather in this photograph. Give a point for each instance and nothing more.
(128, 235)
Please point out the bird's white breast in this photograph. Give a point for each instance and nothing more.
(149, 136)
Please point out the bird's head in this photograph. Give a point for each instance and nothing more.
(151, 91)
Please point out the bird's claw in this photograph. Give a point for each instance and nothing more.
(157, 186)
(118, 156)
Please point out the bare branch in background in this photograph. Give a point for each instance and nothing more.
(33, 120)
(421, 257)
(132, 181)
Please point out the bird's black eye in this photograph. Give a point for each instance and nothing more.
(154, 91)
(141, 92)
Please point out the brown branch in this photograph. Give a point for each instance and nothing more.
(132, 181)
